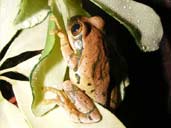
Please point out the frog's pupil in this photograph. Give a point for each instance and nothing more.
(75, 28)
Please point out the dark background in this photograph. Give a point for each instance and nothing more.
(148, 98)
(147, 103)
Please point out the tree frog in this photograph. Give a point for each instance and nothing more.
(83, 49)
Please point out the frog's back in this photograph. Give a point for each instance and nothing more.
(92, 74)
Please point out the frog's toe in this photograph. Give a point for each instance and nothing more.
(86, 118)
(92, 117)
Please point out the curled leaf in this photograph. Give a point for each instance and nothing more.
(20, 14)
(30, 17)
(141, 20)
(70, 8)
(50, 71)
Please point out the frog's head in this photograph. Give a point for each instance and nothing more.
(79, 28)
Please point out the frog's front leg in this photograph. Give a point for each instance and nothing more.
(67, 52)
(79, 106)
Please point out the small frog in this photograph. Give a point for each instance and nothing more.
(84, 51)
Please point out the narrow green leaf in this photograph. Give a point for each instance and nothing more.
(13, 61)
(6, 47)
(142, 22)
(15, 76)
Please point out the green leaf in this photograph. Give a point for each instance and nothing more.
(12, 116)
(142, 22)
(31, 13)
(50, 71)
(70, 8)
(18, 15)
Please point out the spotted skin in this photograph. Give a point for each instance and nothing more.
(84, 52)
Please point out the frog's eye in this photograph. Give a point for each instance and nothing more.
(76, 29)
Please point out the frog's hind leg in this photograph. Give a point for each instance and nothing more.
(79, 106)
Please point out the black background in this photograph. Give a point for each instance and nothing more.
(146, 104)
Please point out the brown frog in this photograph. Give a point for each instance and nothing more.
(83, 49)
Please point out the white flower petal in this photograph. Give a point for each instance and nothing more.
(58, 117)
(8, 12)
(29, 40)
(11, 116)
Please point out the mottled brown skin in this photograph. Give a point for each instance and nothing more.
(92, 65)
(84, 52)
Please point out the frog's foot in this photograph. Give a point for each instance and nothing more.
(59, 99)
(118, 94)
(79, 106)
(58, 28)
(58, 31)
(53, 18)
(115, 98)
